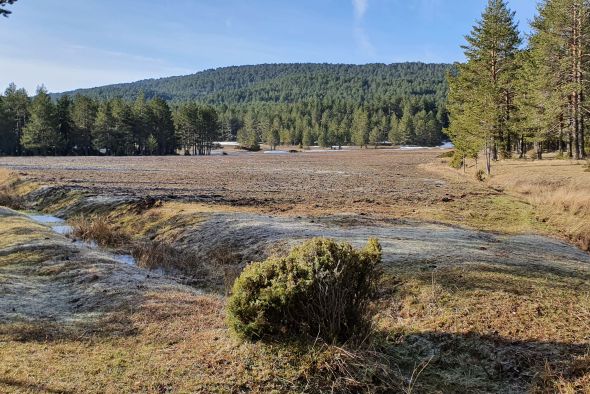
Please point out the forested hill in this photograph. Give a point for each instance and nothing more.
(289, 83)
(278, 104)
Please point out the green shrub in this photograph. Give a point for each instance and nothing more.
(447, 155)
(457, 160)
(321, 289)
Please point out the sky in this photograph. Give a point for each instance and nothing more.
(69, 44)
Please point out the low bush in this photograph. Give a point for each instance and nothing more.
(447, 155)
(99, 230)
(321, 289)
(480, 175)
(457, 161)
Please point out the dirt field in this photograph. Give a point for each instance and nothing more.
(366, 181)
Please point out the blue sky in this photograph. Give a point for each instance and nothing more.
(69, 44)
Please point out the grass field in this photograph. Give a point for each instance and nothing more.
(480, 292)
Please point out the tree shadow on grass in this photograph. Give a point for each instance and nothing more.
(473, 363)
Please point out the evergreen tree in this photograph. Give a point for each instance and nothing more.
(162, 127)
(125, 122)
(7, 137)
(559, 46)
(104, 132)
(360, 128)
(83, 114)
(406, 134)
(419, 125)
(376, 136)
(248, 135)
(273, 137)
(307, 138)
(142, 126)
(40, 135)
(65, 125)
(432, 131)
(3, 11)
(394, 134)
(481, 94)
(16, 105)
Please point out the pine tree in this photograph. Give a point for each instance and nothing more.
(65, 124)
(559, 45)
(3, 11)
(273, 137)
(420, 131)
(162, 126)
(406, 131)
(307, 138)
(360, 128)
(41, 136)
(104, 132)
(83, 115)
(142, 126)
(376, 136)
(248, 135)
(124, 129)
(16, 105)
(484, 87)
(7, 137)
(394, 134)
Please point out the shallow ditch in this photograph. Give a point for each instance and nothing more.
(60, 226)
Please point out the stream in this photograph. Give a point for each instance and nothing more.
(59, 226)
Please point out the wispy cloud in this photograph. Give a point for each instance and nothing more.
(363, 41)
(361, 36)
(360, 8)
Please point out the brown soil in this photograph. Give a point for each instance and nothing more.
(383, 182)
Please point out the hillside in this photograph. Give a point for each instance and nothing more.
(289, 83)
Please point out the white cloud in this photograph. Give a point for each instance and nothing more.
(360, 8)
(361, 36)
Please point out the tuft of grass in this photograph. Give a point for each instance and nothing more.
(480, 175)
(161, 255)
(99, 230)
(10, 200)
(9, 196)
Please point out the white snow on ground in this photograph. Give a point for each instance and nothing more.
(276, 152)
(446, 145)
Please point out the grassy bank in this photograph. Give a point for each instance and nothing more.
(503, 318)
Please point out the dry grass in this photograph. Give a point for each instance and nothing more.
(98, 229)
(155, 255)
(558, 189)
(491, 327)
(8, 195)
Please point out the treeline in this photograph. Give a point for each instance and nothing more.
(84, 126)
(400, 121)
(507, 100)
(81, 125)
